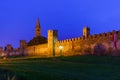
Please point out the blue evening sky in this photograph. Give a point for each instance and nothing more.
(18, 18)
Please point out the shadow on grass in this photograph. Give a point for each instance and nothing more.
(8, 75)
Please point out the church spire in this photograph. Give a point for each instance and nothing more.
(38, 28)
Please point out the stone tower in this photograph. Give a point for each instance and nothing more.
(38, 28)
(52, 39)
(23, 45)
(86, 31)
(1, 50)
(8, 49)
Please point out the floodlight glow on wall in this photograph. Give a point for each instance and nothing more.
(61, 48)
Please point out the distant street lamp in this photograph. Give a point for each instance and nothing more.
(60, 48)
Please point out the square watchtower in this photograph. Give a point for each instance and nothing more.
(86, 31)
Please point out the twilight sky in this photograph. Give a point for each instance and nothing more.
(18, 18)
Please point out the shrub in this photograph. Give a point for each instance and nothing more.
(99, 49)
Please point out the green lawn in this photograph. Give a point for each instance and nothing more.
(65, 68)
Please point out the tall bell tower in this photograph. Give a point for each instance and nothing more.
(38, 28)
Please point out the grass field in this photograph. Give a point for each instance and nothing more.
(65, 68)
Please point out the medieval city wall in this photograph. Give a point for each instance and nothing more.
(83, 46)
(100, 44)
(37, 50)
(94, 44)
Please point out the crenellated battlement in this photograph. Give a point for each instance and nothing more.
(90, 37)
